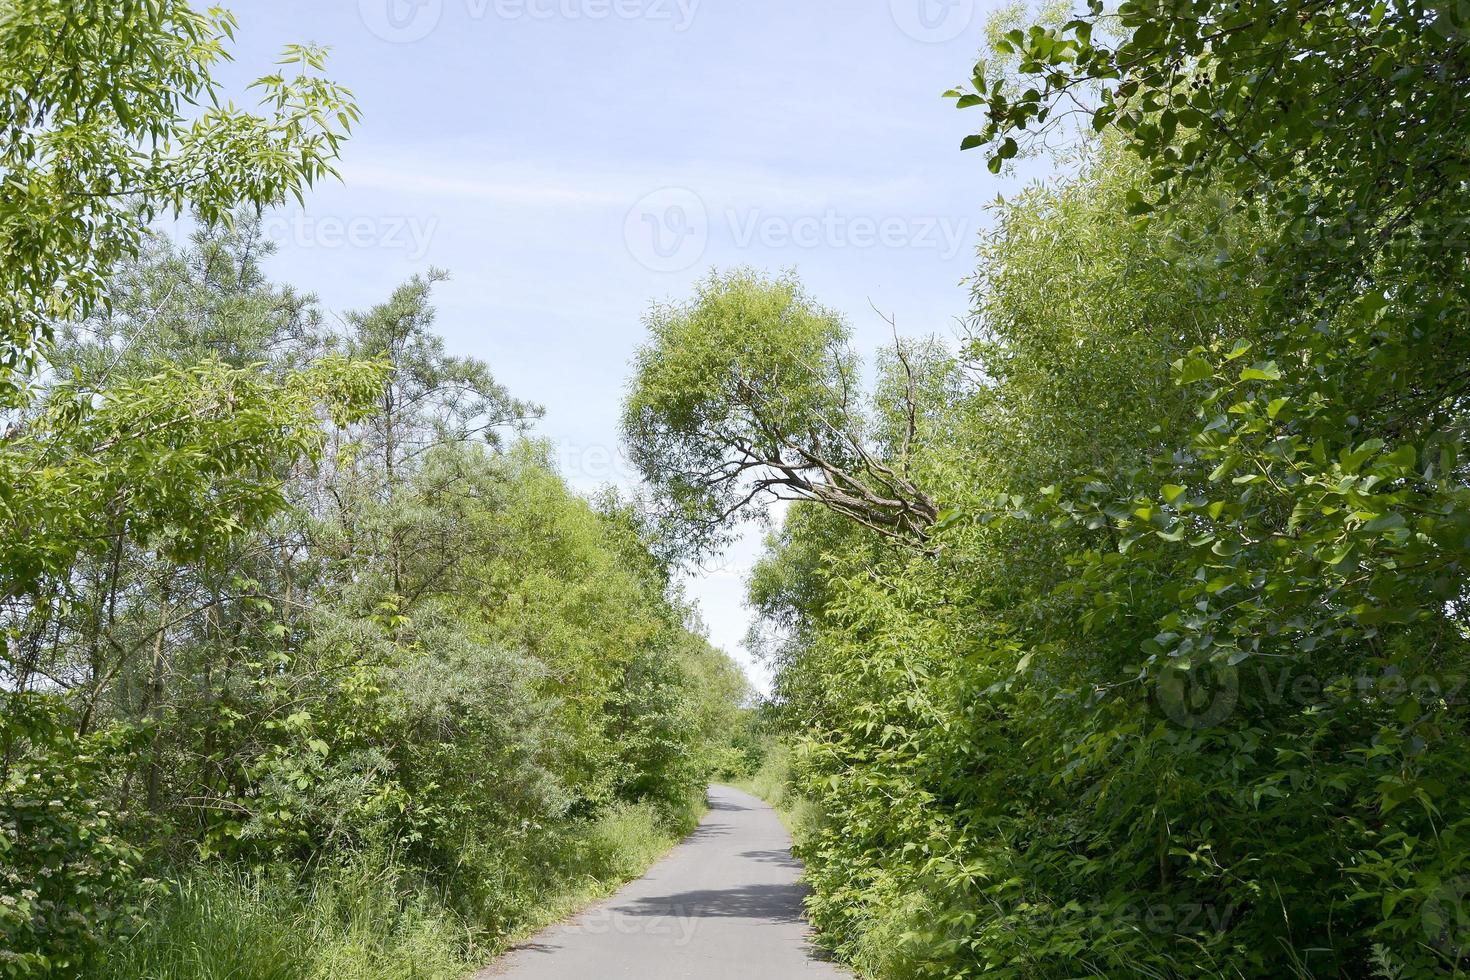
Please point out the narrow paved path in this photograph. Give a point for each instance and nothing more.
(724, 904)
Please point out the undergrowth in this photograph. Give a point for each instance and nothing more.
(374, 920)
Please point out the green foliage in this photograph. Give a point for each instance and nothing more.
(190, 454)
(112, 117)
(1177, 686)
(287, 625)
(750, 393)
(68, 875)
(370, 917)
(1263, 95)
(289, 628)
(355, 922)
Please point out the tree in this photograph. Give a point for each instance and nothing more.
(300, 610)
(1264, 102)
(749, 393)
(179, 464)
(207, 298)
(1145, 706)
(430, 398)
(1253, 94)
(100, 134)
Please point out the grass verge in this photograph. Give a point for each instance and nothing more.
(374, 919)
(772, 782)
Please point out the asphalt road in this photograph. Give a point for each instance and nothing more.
(724, 904)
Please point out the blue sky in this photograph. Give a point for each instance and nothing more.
(571, 161)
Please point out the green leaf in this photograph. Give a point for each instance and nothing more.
(1390, 521)
(1261, 371)
(1193, 369)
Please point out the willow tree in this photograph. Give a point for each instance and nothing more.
(750, 393)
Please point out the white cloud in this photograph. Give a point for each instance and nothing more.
(555, 186)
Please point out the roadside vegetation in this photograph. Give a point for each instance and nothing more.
(1128, 635)
(313, 664)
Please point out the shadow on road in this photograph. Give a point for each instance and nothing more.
(726, 904)
(705, 831)
(780, 857)
(770, 903)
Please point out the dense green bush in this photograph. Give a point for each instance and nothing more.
(69, 877)
(394, 640)
(1133, 712)
(373, 916)
(311, 664)
(1169, 681)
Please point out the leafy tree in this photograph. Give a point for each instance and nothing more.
(431, 398)
(242, 635)
(180, 463)
(174, 304)
(1190, 636)
(1145, 704)
(1264, 97)
(284, 618)
(101, 136)
(749, 394)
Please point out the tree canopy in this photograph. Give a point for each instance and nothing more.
(109, 117)
(750, 393)
(311, 663)
(1175, 685)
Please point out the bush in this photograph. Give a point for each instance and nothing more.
(68, 877)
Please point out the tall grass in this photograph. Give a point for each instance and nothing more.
(775, 783)
(375, 920)
(350, 924)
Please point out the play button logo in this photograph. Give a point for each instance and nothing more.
(401, 21)
(933, 21)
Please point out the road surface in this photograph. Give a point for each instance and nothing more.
(724, 904)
